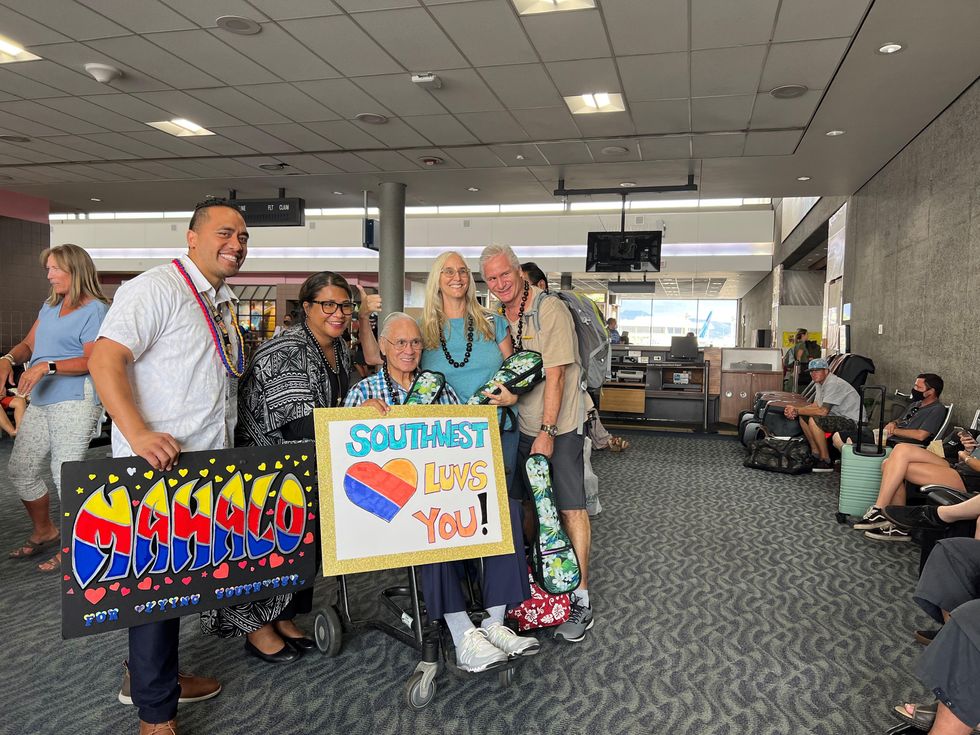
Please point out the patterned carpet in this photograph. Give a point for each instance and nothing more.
(727, 601)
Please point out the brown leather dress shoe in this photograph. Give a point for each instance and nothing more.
(159, 728)
(192, 688)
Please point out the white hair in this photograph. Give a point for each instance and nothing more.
(492, 251)
(392, 319)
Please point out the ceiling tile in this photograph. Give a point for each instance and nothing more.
(344, 134)
(178, 104)
(76, 55)
(644, 27)
(579, 77)
(718, 146)
(726, 71)
(487, 32)
(388, 160)
(280, 53)
(400, 95)
(68, 17)
(413, 38)
(660, 149)
(25, 31)
(155, 62)
(441, 129)
(793, 113)
(135, 148)
(53, 118)
(606, 124)
(16, 85)
(93, 173)
(342, 96)
(289, 101)
(493, 127)
(25, 152)
(171, 144)
(474, 157)
(364, 6)
(719, 23)
(632, 150)
(394, 134)
(560, 153)
(222, 145)
(802, 19)
(256, 139)
(310, 164)
(565, 36)
(301, 137)
(229, 167)
(54, 148)
(804, 62)
(464, 91)
(237, 105)
(779, 143)
(532, 156)
(89, 147)
(129, 106)
(81, 108)
(709, 114)
(656, 77)
(663, 116)
(287, 9)
(146, 16)
(348, 162)
(204, 14)
(163, 171)
(201, 49)
(547, 123)
(522, 86)
(49, 73)
(343, 45)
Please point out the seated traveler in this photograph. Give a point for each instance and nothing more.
(921, 421)
(919, 466)
(505, 582)
(835, 408)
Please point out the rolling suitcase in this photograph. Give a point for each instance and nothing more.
(860, 464)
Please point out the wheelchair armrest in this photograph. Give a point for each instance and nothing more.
(945, 495)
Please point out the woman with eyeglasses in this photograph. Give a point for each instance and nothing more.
(306, 367)
(505, 582)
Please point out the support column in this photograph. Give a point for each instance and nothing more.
(391, 263)
(566, 281)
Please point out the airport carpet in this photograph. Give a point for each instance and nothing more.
(727, 600)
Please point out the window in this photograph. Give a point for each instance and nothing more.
(654, 322)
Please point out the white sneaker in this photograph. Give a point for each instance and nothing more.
(477, 653)
(509, 642)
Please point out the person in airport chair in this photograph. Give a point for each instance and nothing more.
(171, 332)
(921, 421)
(553, 413)
(306, 367)
(505, 582)
(917, 465)
(836, 407)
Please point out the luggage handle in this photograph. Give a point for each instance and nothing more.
(879, 445)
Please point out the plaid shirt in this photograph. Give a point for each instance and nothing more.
(375, 387)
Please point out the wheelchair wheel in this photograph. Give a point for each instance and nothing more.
(417, 695)
(328, 632)
(506, 677)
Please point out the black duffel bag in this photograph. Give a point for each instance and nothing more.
(789, 456)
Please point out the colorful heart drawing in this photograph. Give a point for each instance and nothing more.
(114, 586)
(381, 491)
(125, 591)
(113, 479)
(242, 564)
(95, 594)
(168, 580)
(146, 583)
(183, 472)
(221, 572)
(262, 562)
(187, 580)
(70, 592)
(148, 474)
(275, 560)
(130, 471)
(308, 538)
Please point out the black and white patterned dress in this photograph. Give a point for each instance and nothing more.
(285, 380)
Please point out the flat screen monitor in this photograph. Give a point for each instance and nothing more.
(623, 252)
(683, 349)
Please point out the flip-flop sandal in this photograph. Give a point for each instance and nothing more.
(34, 548)
(923, 715)
(51, 565)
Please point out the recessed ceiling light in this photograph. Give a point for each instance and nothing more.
(533, 7)
(14, 139)
(431, 161)
(627, 184)
(181, 127)
(472, 188)
(834, 133)
(371, 118)
(802, 178)
(593, 102)
(11, 52)
(339, 193)
(273, 166)
(238, 24)
(95, 199)
(519, 157)
(788, 91)
(614, 150)
(890, 48)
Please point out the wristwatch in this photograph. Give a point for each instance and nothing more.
(52, 368)
(550, 429)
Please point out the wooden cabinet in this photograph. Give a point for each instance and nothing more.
(623, 399)
(738, 390)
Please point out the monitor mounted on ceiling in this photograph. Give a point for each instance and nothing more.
(623, 252)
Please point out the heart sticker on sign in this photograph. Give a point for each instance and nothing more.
(381, 491)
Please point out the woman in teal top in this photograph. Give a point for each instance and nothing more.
(64, 408)
(465, 342)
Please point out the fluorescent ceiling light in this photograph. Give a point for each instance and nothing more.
(515, 208)
(102, 215)
(421, 210)
(178, 215)
(593, 102)
(11, 52)
(180, 127)
(471, 209)
(60, 216)
(348, 211)
(834, 133)
(533, 7)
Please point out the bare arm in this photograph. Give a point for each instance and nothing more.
(370, 304)
(108, 365)
(554, 386)
(21, 352)
(919, 435)
(71, 366)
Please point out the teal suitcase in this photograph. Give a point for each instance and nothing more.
(860, 465)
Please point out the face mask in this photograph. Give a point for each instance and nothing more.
(918, 395)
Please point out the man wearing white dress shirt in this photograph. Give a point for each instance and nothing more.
(165, 367)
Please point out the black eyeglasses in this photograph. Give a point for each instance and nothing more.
(330, 307)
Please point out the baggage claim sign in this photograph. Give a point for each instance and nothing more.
(424, 484)
(221, 528)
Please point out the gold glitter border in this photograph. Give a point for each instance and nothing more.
(331, 564)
